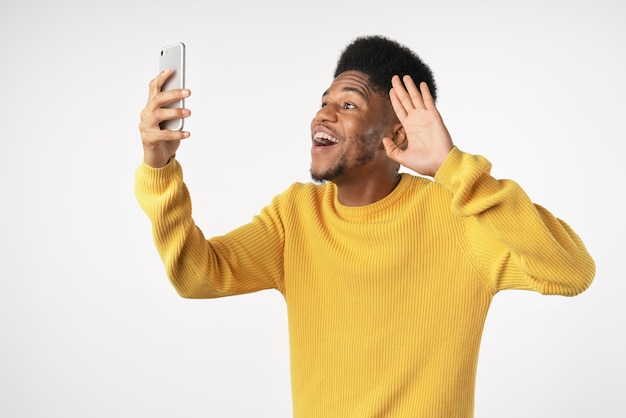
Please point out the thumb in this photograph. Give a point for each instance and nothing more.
(393, 151)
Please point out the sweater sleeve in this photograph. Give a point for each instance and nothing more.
(245, 260)
(518, 244)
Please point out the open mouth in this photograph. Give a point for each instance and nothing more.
(322, 139)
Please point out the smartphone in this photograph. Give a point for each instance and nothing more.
(173, 57)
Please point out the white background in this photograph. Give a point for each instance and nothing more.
(89, 325)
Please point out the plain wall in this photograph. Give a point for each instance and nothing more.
(90, 326)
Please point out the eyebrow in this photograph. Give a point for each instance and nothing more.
(350, 90)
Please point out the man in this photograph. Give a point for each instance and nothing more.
(387, 277)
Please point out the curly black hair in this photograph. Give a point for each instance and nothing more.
(381, 58)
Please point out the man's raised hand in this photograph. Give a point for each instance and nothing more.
(428, 141)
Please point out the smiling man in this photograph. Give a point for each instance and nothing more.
(347, 133)
(387, 276)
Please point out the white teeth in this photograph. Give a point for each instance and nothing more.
(323, 135)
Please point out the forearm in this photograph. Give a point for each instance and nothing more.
(544, 248)
(197, 267)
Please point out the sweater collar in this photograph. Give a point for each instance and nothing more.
(385, 208)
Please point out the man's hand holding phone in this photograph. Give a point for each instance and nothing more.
(160, 145)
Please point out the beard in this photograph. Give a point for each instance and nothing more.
(336, 170)
(366, 151)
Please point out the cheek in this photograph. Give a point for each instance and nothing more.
(354, 128)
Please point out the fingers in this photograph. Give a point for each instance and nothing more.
(156, 84)
(165, 98)
(428, 100)
(413, 92)
(156, 110)
(150, 119)
(410, 96)
(401, 101)
(407, 93)
(160, 145)
(398, 108)
(153, 138)
(161, 98)
(156, 114)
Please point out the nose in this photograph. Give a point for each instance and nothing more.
(326, 113)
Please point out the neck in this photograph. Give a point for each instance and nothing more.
(366, 191)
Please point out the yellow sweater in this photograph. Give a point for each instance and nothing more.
(386, 302)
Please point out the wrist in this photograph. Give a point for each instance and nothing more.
(153, 160)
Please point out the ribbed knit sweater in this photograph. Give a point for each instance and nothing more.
(386, 302)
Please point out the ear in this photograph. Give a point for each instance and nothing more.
(399, 136)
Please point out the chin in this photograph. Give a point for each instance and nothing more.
(317, 177)
(329, 174)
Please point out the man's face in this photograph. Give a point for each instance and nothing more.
(348, 129)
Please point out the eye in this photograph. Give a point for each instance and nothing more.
(346, 106)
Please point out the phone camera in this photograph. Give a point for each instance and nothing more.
(161, 53)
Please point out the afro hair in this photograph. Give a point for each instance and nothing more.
(381, 58)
